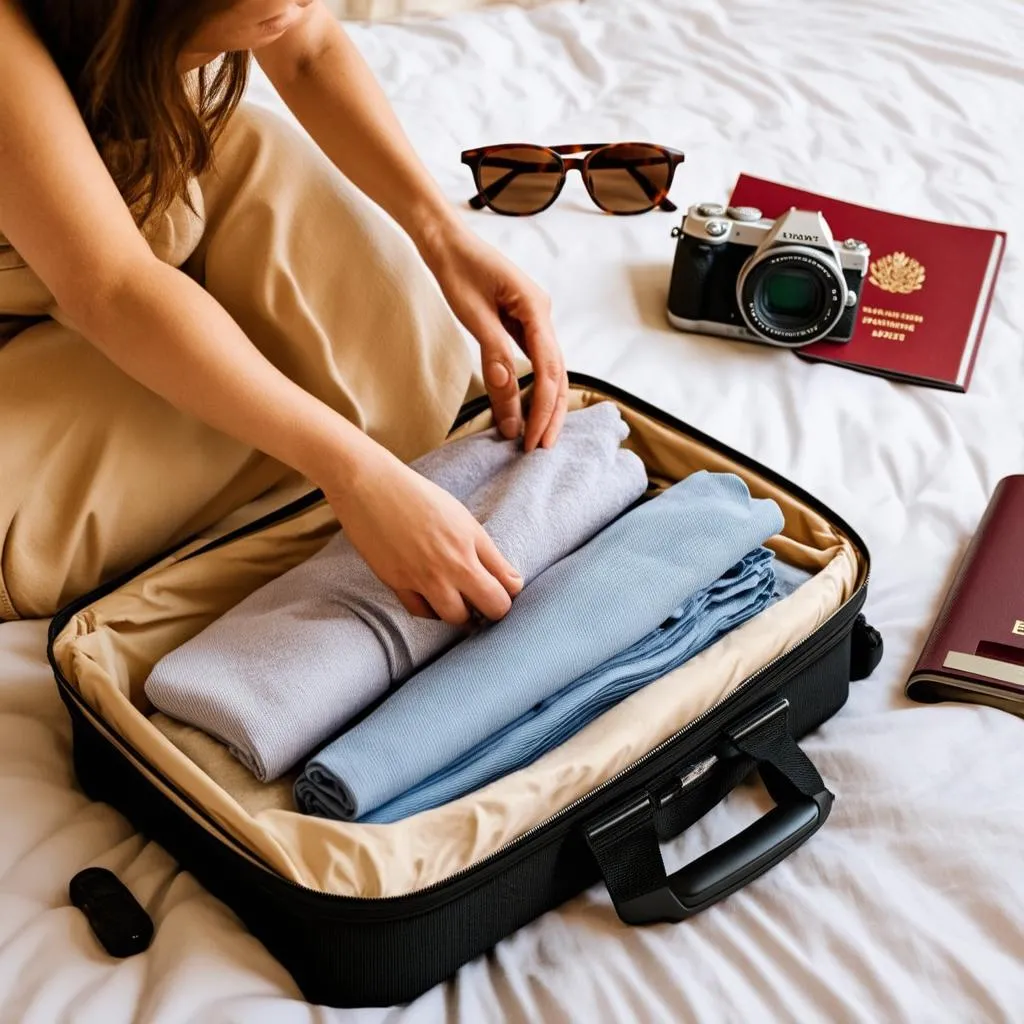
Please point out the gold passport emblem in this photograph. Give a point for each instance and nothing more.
(1018, 627)
(897, 273)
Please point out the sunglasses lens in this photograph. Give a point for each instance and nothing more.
(519, 179)
(628, 178)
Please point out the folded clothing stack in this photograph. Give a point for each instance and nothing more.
(291, 664)
(689, 554)
(739, 595)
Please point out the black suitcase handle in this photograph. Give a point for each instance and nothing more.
(625, 842)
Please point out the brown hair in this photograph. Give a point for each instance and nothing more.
(120, 60)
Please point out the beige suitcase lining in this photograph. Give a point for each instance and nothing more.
(107, 650)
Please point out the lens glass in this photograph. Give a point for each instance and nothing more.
(791, 293)
(628, 177)
(520, 179)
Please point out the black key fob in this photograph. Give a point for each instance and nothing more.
(114, 914)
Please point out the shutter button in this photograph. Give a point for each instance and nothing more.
(716, 228)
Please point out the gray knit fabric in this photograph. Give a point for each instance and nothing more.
(287, 667)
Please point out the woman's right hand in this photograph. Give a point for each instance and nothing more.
(423, 543)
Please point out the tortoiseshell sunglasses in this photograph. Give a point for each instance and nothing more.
(622, 177)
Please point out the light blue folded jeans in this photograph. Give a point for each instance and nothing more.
(582, 611)
(736, 597)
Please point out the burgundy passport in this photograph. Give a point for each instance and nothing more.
(976, 648)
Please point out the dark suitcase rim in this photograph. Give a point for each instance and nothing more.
(644, 770)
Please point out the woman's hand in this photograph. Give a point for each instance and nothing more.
(419, 540)
(423, 543)
(499, 304)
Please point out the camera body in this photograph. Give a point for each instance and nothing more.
(782, 282)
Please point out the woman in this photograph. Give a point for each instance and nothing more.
(195, 307)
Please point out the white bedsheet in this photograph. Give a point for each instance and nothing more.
(909, 904)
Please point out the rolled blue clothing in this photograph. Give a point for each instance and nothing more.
(577, 614)
(284, 669)
(744, 591)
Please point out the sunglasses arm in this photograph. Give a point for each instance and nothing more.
(650, 191)
(480, 200)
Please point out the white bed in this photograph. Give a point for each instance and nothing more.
(909, 904)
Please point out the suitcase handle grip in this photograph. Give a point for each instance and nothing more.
(625, 842)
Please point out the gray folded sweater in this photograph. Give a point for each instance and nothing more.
(287, 667)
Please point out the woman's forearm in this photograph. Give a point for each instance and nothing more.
(323, 78)
(165, 331)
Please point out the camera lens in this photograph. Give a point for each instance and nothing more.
(791, 295)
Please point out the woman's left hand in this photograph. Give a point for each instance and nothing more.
(499, 304)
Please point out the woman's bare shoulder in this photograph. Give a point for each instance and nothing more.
(48, 159)
(20, 47)
(16, 24)
(35, 102)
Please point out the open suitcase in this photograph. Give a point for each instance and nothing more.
(376, 914)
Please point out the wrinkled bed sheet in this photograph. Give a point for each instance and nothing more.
(909, 905)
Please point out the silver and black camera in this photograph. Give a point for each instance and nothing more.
(782, 282)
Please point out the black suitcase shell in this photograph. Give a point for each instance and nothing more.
(345, 951)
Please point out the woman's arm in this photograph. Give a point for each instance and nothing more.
(324, 80)
(61, 210)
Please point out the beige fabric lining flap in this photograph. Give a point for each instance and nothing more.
(107, 650)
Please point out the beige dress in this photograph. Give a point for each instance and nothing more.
(97, 473)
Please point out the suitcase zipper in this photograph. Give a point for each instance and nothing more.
(305, 502)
